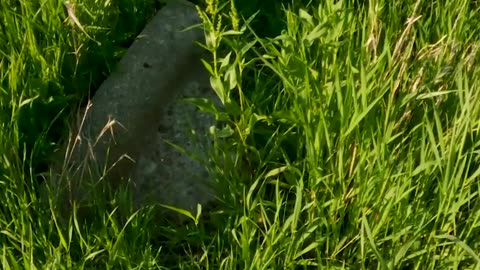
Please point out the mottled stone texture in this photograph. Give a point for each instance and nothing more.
(163, 173)
(162, 63)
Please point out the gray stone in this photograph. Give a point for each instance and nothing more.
(120, 136)
(168, 176)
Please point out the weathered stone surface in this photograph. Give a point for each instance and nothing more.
(163, 173)
(162, 63)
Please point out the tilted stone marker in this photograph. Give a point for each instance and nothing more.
(133, 113)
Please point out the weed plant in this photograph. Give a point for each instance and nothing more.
(357, 133)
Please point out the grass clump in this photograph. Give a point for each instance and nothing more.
(356, 130)
(51, 55)
(348, 140)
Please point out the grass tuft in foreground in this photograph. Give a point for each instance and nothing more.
(357, 133)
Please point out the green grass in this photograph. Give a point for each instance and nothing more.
(355, 127)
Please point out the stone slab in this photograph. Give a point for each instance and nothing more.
(120, 136)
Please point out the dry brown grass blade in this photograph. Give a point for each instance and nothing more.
(74, 19)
